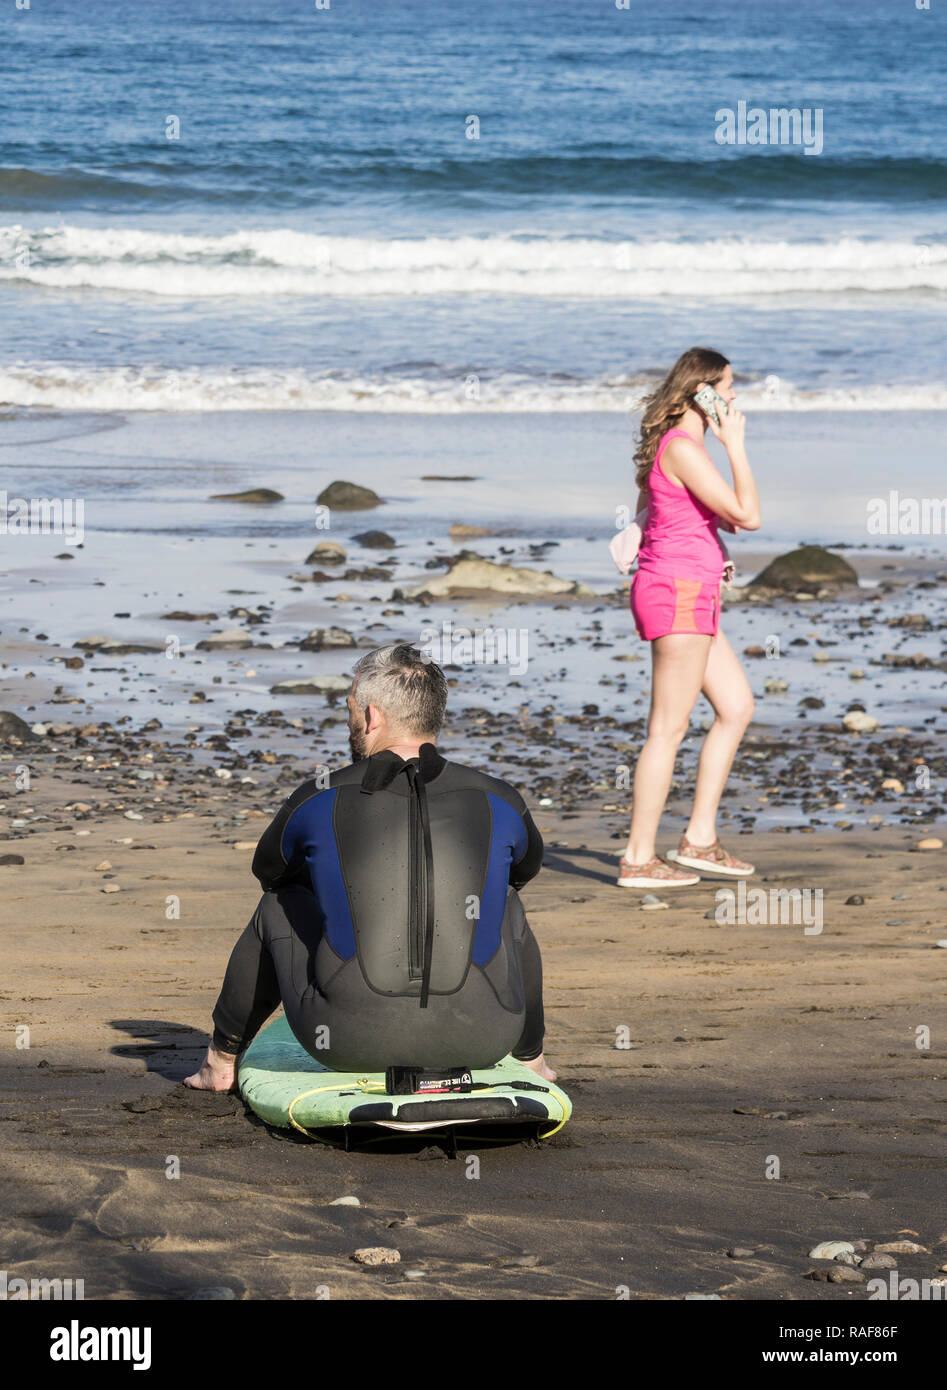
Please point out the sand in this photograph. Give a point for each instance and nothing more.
(745, 1043)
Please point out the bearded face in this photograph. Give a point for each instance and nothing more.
(357, 743)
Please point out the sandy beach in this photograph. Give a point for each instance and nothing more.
(703, 1054)
(332, 327)
(744, 1043)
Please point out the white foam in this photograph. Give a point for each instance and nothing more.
(287, 262)
(62, 387)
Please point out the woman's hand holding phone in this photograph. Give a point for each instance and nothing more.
(731, 428)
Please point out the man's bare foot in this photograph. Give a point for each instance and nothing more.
(219, 1073)
(538, 1065)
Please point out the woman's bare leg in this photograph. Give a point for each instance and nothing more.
(678, 662)
(728, 690)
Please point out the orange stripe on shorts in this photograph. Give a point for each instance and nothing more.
(687, 591)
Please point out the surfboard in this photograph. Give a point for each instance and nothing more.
(288, 1088)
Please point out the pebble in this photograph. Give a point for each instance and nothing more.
(321, 638)
(856, 900)
(375, 540)
(218, 1291)
(326, 553)
(415, 1273)
(774, 686)
(830, 1249)
(134, 815)
(244, 844)
(703, 1297)
(315, 685)
(234, 639)
(931, 844)
(942, 944)
(345, 1202)
(891, 784)
(879, 1260)
(858, 722)
(740, 1252)
(111, 888)
(101, 868)
(12, 859)
(650, 903)
(901, 1247)
(377, 1255)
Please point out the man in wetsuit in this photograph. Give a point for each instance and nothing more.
(390, 926)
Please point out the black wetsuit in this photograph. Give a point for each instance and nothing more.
(390, 926)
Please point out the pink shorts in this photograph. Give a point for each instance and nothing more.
(661, 605)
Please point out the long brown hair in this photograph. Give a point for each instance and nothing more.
(665, 406)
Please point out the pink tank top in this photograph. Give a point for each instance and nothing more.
(680, 535)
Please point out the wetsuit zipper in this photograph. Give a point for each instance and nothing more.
(415, 943)
(422, 886)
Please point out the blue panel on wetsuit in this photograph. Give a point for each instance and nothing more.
(507, 844)
(311, 833)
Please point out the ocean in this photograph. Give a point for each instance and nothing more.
(417, 206)
(278, 245)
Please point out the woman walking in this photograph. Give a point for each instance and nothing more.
(675, 601)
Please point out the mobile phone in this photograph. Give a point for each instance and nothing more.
(711, 403)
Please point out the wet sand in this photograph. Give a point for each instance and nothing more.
(745, 1042)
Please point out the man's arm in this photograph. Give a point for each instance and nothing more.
(531, 860)
(276, 861)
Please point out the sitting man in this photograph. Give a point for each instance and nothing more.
(390, 926)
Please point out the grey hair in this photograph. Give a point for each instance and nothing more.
(410, 691)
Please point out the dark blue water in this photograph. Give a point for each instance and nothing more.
(320, 232)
